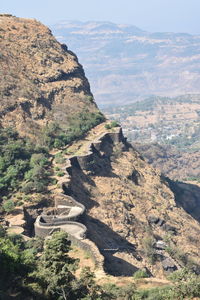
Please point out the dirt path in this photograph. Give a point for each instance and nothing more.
(79, 147)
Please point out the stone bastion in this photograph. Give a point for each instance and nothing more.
(67, 215)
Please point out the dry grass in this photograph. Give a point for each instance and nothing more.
(112, 192)
(39, 81)
(84, 258)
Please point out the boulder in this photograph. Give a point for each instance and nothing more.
(168, 265)
(160, 245)
(170, 228)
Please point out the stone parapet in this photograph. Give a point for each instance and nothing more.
(67, 209)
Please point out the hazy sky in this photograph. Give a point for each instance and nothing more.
(150, 15)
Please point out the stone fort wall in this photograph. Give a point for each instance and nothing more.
(47, 224)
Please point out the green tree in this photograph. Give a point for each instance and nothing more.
(186, 284)
(8, 206)
(38, 159)
(89, 289)
(56, 268)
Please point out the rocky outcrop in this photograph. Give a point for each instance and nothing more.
(168, 265)
(153, 220)
(41, 81)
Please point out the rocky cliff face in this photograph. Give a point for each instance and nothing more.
(41, 80)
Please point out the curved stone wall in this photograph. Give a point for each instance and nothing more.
(66, 213)
(44, 229)
(67, 210)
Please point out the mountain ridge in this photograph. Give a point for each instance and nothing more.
(42, 80)
(133, 64)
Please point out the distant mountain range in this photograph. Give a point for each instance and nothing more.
(125, 64)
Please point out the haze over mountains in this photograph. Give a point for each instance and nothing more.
(125, 63)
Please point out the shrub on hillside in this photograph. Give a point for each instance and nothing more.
(140, 274)
(20, 161)
(56, 137)
(149, 250)
(8, 206)
(111, 125)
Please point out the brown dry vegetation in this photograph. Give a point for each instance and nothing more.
(120, 198)
(171, 162)
(40, 80)
(43, 82)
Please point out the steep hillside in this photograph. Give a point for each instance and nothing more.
(136, 217)
(41, 81)
(87, 180)
(130, 208)
(171, 162)
(125, 63)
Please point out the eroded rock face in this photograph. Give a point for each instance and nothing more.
(41, 80)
